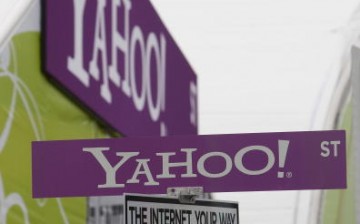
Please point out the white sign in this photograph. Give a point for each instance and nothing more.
(161, 210)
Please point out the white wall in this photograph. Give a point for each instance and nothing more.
(11, 13)
(263, 66)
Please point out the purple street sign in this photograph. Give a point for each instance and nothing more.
(119, 60)
(218, 163)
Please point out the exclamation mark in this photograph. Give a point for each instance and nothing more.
(283, 149)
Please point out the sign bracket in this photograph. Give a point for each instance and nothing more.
(186, 195)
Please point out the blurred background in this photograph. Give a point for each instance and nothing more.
(271, 66)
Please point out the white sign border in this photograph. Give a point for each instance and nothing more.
(174, 200)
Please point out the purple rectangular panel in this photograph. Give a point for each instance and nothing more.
(218, 163)
(118, 59)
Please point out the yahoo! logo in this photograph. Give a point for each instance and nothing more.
(190, 168)
(119, 60)
(131, 49)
